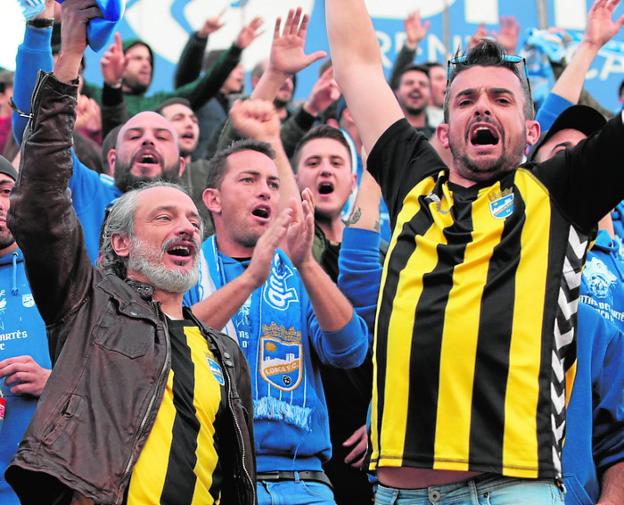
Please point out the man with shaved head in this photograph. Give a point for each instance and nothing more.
(146, 148)
(145, 404)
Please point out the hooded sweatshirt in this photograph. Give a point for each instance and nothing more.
(22, 332)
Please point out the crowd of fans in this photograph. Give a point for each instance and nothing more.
(402, 291)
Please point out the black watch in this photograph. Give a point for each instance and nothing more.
(41, 22)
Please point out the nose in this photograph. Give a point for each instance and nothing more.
(264, 191)
(482, 106)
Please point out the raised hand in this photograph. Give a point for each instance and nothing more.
(509, 33)
(477, 36)
(255, 119)
(300, 234)
(249, 33)
(113, 63)
(287, 50)
(262, 258)
(75, 17)
(323, 94)
(211, 25)
(88, 114)
(601, 27)
(415, 29)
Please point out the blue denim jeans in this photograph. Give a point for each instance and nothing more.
(484, 490)
(294, 492)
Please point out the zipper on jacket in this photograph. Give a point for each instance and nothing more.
(239, 433)
(153, 399)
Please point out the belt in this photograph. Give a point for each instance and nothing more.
(303, 475)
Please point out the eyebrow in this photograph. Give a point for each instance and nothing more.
(474, 91)
(169, 208)
(138, 129)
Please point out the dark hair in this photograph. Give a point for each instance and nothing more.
(210, 58)
(320, 132)
(621, 89)
(432, 64)
(109, 142)
(175, 100)
(412, 67)
(488, 53)
(217, 167)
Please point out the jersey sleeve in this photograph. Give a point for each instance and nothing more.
(401, 158)
(587, 181)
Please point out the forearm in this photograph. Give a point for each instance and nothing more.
(570, 83)
(203, 89)
(268, 85)
(613, 485)
(332, 309)
(218, 308)
(404, 58)
(365, 213)
(190, 62)
(33, 54)
(288, 185)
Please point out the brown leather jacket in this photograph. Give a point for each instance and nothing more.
(108, 340)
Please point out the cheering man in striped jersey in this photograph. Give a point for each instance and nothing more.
(475, 324)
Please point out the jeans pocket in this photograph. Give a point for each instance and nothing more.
(321, 492)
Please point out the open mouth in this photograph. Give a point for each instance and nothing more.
(181, 250)
(483, 135)
(325, 188)
(415, 95)
(147, 157)
(188, 136)
(262, 211)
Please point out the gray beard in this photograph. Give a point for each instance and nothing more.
(147, 260)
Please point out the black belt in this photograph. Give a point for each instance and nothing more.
(303, 475)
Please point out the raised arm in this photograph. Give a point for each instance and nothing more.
(415, 31)
(601, 27)
(41, 217)
(190, 62)
(356, 58)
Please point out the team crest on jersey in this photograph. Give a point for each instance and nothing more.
(216, 370)
(502, 204)
(28, 301)
(598, 278)
(281, 357)
(3, 300)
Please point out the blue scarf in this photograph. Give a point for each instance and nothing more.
(268, 330)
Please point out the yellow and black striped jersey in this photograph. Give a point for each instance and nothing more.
(477, 307)
(180, 464)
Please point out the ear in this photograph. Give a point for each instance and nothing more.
(121, 245)
(442, 134)
(212, 200)
(353, 183)
(533, 132)
(182, 165)
(111, 158)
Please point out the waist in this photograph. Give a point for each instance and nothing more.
(415, 478)
(310, 475)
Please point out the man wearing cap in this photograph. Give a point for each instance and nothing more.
(593, 457)
(24, 355)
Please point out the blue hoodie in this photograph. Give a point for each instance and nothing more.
(22, 332)
(618, 220)
(594, 442)
(279, 334)
(603, 280)
(91, 194)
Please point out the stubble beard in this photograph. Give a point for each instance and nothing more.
(125, 181)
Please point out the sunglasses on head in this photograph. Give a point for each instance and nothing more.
(507, 58)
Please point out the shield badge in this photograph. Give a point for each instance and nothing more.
(502, 207)
(28, 301)
(281, 363)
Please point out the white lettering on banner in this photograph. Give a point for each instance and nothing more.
(612, 65)
(151, 19)
(385, 44)
(481, 11)
(2, 347)
(570, 14)
(395, 9)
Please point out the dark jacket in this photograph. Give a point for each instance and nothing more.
(108, 341)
